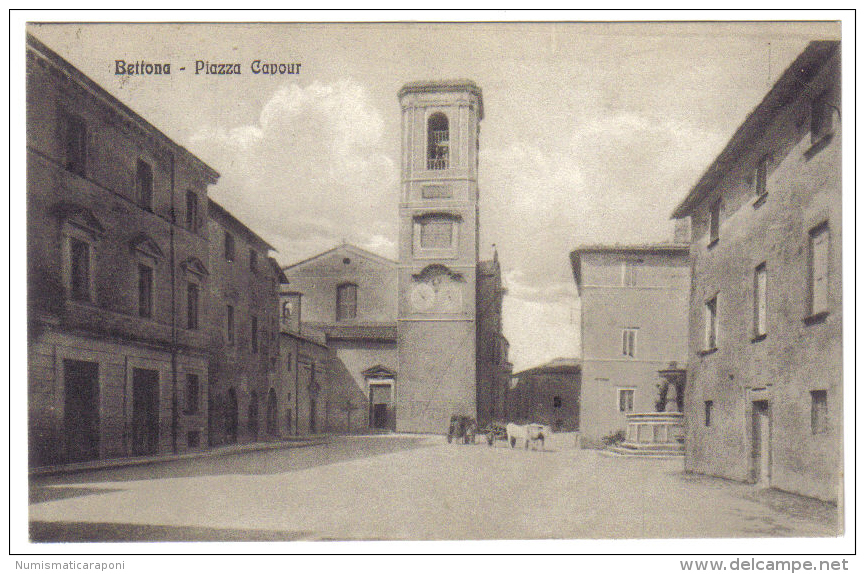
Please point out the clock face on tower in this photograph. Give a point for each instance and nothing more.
(422, 297)
(436, 293)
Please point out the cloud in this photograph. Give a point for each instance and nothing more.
(311, 172)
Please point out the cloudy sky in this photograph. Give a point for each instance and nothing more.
(592, 134)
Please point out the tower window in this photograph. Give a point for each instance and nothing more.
(438, 142)
(436, 234)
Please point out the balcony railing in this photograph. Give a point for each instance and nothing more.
(439, 137)
(441, 163)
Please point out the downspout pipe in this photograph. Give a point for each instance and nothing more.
(173, 220)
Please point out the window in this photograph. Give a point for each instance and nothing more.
(436, 234)
(145, 291)
(229, 323)
(79, 288)
(144, 185)
(760, 297)
(288, 362)
(819, 412)
(192, 394)
(760, 175)
(192, 211)
(229, 247)
(818, 273)
(253, 260)
(710, 312)
(626, 400)
(254, 333)
(193, 438)
(821, 118)
(629, 342)
(629, 274)
(438, 144)
(76, 145)
(346, 302)
(714, 222)
(557, 402)
(191, 306)
(707, 419)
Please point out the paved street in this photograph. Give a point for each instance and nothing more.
(400, 487)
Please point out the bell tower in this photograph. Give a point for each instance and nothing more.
(438, 253)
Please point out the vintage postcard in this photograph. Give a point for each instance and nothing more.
(417, 281)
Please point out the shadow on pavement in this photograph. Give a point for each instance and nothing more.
(272, 461)
(48, 493)
(121, 532)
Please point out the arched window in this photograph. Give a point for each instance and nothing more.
(346, 301)
(438, 142)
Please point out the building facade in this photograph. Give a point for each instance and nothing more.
(348, 295)
(243, 329)
(547, 394)
(633, 320)
(764, 392)
(117, 274)
(304, 392)
(438, 254)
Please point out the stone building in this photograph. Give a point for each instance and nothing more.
(634, 324)
(305, 390)
(348, 295)
(764, 393)
(117, 275)
(493, 367)
(243, 331)
(547, 394)
(438, 305)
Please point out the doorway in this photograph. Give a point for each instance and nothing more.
(81, 410)
(145, 411)
(231, 417)
(380, 399)
(761, 447)
(272, 416)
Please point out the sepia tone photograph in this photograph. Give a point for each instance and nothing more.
(417, 281)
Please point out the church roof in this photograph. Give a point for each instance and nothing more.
(342, 248)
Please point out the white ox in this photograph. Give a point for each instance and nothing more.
(532, 432)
